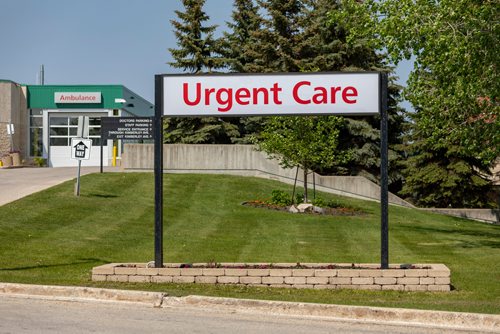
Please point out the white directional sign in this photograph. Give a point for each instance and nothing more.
(80, 148)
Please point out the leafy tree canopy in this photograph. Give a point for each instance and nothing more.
(454, 88)
(309, 142)
(454, 85)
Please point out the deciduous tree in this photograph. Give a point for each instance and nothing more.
(454, 88)
(307, 142)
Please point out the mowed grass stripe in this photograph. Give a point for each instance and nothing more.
(54, 238)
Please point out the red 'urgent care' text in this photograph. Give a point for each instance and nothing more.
(227, 97)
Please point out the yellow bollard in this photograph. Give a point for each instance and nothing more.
(115, 151)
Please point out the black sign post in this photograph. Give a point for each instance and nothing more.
(384, 180)
(158, 153)
(102, 152)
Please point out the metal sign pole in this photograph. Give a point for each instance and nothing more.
(82, 132)
(102, 150)
(158, 153)
(77, 186)
(384, 180)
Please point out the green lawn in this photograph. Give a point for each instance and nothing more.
(54, 238)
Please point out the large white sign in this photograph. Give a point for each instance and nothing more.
(77, 97)
(271, 94)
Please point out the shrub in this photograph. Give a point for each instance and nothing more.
(40, 162)
(299, 198)
(327, 204)
(334, 204)
(280, 197)
(318, 201)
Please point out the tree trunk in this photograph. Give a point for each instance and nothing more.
(295, 186)
(305, 185)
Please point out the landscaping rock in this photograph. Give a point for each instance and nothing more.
(305, 207)
(308, 209)
(317, 209)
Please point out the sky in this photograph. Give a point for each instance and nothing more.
(123, 42)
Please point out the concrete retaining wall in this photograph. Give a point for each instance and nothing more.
(244, 160)
(431, 277)
(491, 216)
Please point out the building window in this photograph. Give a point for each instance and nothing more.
(95, 131)
(36, 133)
(63, 128)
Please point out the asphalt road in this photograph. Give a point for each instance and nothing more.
(22, 315)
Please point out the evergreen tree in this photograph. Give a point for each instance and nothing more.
(324, 47)
(311, 42)
(292, 36)
(245, 22)
(198, 51)
(262, 44)
(444, 175)
(441, 171)
(275, 46)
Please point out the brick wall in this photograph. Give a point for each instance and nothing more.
(430, 277)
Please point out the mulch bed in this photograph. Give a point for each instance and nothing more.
(326, 211)
(275, 266)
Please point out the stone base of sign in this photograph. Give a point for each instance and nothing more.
(420, 277)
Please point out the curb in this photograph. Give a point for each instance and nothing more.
(82, 293)
(418, 318)
(463, 321)
(396, 316)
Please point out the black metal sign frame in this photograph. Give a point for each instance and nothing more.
(158, 169)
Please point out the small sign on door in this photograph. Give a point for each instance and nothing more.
(80, 148)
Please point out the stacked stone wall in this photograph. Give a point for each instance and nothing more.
(431, 277)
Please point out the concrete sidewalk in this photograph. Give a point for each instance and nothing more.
(15, 183)
(467, 322)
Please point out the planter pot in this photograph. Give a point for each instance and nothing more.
(7, 161)
(16, 159)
